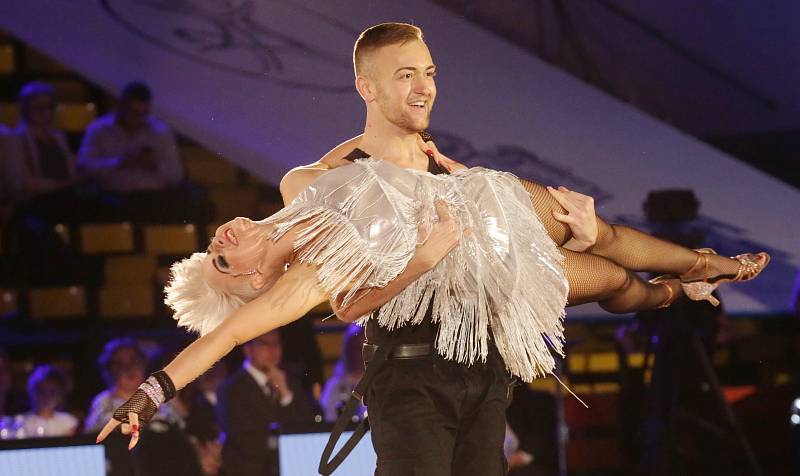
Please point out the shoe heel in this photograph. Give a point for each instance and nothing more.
(700, 291)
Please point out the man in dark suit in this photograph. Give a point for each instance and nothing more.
(256, 395)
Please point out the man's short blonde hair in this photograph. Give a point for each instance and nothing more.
(379, 36)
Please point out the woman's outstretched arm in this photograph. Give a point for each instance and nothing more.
(292, 296)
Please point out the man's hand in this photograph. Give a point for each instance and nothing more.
(580, 217)
(429, 148)
(277, 381)
(441, 240)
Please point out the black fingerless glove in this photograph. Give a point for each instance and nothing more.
(157, 389)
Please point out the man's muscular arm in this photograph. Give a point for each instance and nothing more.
(297, 179)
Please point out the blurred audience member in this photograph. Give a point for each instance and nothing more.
(123, 365)
(517, 459)
(346, 375)
(201, 398)
(38, 174)
(47, 388)
(200, 401)
(130, 150)
(37, 155)
(301, 354)
(133, 158)
(258, 394)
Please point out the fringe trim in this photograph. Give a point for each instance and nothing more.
(506, 276)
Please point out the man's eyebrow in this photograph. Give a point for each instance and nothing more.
(433, 66)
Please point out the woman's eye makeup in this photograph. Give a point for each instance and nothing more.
(222, 262)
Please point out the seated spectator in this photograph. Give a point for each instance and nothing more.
(255, 396)
(123, 365)
(38, 157)
(130, 150)
(346, 375)
(134, 157)
(38, 171)
(199, 400)
(47, 389)
(200, 397)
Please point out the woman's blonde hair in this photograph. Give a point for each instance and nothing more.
(198, 306)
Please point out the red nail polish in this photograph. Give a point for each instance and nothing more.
(429, 153)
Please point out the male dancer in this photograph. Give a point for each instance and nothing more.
(428, 416)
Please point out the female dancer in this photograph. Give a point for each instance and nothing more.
(356, 228)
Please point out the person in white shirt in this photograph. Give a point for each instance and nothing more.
(47, 388)
(346, 375)
(129, 150)
(257, 395)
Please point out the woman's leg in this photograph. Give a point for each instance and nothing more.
(627, 247)
(617, 290)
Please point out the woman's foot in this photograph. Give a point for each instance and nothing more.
(672, 289)
(710, 270)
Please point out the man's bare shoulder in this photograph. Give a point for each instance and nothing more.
(299, 178)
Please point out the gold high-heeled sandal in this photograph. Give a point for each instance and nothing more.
(662, 280)
(701, 289)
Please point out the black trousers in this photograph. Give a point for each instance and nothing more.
(432, 417)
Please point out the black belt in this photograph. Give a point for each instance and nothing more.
(399, 351)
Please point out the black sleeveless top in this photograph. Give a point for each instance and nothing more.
(424, 332)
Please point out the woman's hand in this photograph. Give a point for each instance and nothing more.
(580, 217)
(429, 148)
(130, 422)
(141, 407)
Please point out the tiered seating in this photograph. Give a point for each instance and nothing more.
(75, 117)
(129, 270)
(70, 116)
(207, 168)
(9, 113)
(127, 301)
(8, 301)
(70, 90)
(234, 200)
(37, 63)
(106, 238)
(7, 59)
(170, 239)
(69, 301)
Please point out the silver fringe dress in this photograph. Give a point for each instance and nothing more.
(363, 222)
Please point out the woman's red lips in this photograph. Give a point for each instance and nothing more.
(231, 237)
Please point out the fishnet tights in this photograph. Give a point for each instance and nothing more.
(606, 272)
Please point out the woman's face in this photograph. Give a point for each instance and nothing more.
(48, 395)
(235, 253)
(127, 369)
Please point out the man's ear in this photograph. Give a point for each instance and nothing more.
(365, 88)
